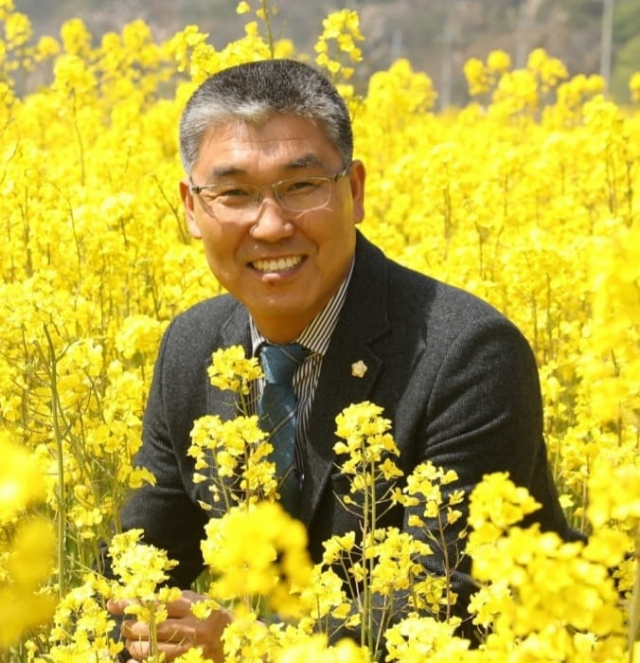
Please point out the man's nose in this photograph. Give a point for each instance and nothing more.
(273, 222)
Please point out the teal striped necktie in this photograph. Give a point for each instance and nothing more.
(277, 412)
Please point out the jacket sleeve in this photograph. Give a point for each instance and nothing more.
(483, 414)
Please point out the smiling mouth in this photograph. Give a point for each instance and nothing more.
(277, 264)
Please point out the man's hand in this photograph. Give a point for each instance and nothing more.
(180, 632)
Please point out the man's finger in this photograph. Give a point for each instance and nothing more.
(178, 631)
(179, 608)
(118, 606)
(170, 630)
(135, 630)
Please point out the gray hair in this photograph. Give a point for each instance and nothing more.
(254, 92)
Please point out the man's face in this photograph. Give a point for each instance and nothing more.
(283, 266)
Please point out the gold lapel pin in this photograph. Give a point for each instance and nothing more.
(358, 369)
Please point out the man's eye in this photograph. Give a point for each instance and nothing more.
(233, 192)
(231, 195)
(301, 187)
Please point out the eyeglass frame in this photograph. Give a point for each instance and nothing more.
(197, 190)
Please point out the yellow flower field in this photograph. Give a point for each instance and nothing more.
(528, 196)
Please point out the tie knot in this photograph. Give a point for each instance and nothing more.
(279, 362)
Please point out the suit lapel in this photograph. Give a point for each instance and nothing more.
(234, 331)
(350, 369)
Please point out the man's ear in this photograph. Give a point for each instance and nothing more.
(188, 203)
(357, 178)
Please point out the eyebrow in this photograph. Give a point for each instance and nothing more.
(304, 161)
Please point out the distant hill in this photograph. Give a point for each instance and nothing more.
(437, 36)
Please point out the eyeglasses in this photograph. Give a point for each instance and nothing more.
(235, 202)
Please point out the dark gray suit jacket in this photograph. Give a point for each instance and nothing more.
(456, 378)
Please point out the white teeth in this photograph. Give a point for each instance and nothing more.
(277, 265)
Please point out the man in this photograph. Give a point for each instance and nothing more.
(458, 381)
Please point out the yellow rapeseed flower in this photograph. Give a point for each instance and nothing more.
(231, 370)
(527, 198)
(317, 649)
(634, 86)
(249, 559)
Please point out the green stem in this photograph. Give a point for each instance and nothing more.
(153, 637)
(76, 127)
(447, 563)
(634, 608)
(267, 22)
(62, 512)
(367, 636)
